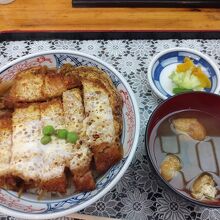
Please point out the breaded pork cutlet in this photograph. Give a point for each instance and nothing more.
(26, 161)
(103, 109)
(80, 164)
(73, 110)
(41, 97)
(40, 84)
(80, 167)
(102, 80)
(59, 154)
(56, 154)
(5, 147)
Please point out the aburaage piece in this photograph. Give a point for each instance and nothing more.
(191, 127)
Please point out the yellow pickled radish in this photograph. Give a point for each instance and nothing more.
(203, 78)
(196, 71)
(186, 65)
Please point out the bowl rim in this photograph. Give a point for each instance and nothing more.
(196, 52)
(169, 186)
(72, 210)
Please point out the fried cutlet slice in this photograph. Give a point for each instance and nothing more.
(106, 155)
(57, 153)
(103, 121)
(26, 161)
(101, 79)
(100, 120)
(80, 164)
(191, 127)
(73, 110)
(39, 84)
(57, 83)
(80, 167)
(27, 87)
(5, 146)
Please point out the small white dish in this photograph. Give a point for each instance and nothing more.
(166, 61)
(28, 206)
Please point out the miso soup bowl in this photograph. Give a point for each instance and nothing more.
(199, 101)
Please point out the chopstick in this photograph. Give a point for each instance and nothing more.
(77, 216)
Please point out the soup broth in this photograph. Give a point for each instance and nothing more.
(197, 157)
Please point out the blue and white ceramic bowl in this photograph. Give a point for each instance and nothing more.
(28, 206)
(166, 61)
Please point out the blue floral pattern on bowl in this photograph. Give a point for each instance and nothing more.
(28, 203)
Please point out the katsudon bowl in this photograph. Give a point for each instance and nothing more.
(182, 142)
(28, 205)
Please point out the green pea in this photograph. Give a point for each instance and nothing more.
(61, 133)
(72, 137)
(45, 139)
(48, 130)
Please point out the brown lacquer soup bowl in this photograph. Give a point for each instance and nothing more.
(183, 144)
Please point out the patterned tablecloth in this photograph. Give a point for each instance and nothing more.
(140, 194)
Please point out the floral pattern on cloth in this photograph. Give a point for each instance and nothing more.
(140, 194)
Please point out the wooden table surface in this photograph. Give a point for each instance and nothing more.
(58, 15)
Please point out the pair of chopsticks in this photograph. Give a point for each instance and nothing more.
(77, 216)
